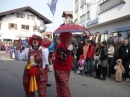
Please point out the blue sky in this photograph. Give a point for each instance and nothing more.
(40, 6)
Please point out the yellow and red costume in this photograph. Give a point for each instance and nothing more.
(35, 72)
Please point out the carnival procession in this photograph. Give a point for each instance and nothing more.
(65, 48)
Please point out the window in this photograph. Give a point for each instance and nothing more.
(12, 26)
(82, 9)
(88, 11)
(88, 15)
(76, 15)
(23, 16)
(31, 17)
(34, 28)
(25, 27)
(88, 7)
(123, 34)
(128, 34)
(20, 15)
(27, 16)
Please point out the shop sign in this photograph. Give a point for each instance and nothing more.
(91, 22)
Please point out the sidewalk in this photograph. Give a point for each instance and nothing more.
(5, 56)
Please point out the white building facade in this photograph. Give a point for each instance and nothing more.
(104, 16)
(19, 23)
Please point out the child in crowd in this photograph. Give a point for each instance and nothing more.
(11, 51)
(81, 63)
(119, 70)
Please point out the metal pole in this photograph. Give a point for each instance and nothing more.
(52, 26)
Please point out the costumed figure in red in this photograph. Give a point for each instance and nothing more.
(35, 72)
(63, 64)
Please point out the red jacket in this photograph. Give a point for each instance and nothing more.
(62, 65)
(90, 52)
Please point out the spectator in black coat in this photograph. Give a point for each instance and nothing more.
(84, 36)
(124, 54)
(104, 60)
(79, 51)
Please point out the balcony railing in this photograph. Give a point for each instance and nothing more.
(82, 2)
(76, 5)
(82, 18)
(76, 21)
(108, 4)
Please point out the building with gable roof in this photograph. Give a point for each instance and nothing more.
(20, 23)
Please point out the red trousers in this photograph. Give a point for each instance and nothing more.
(62, 85)
(41, 79)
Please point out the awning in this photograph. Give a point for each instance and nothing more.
(24, 35)
(105, 32)
(45, 33)
(8, 37)
(123, 29)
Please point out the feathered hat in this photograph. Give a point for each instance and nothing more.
(35, 37)
(65, 35)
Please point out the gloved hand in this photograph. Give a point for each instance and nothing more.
(70, 47)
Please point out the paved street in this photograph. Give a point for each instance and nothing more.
(11, 82)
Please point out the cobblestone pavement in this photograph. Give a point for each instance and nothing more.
(11, 72)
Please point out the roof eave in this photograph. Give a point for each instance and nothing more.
(46, 21)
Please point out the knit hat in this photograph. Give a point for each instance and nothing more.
(65, 35)
(81, 56)
(35, 37)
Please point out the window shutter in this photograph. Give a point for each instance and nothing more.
(33, 28)
(15, 26)
(9, 26)
(0, 25)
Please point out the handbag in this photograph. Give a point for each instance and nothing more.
(104, 63)
(96, 64)
(75, 63)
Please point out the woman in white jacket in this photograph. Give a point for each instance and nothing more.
(110, 57)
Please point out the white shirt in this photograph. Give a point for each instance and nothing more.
(24, 55)
(110, 51)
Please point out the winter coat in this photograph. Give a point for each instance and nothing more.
(124, 53)
(104, 53)
(52, 47)
(83, 39)
(79, 52)
(116, 49)
(91, 52)
(111, 40)
(63, 59)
